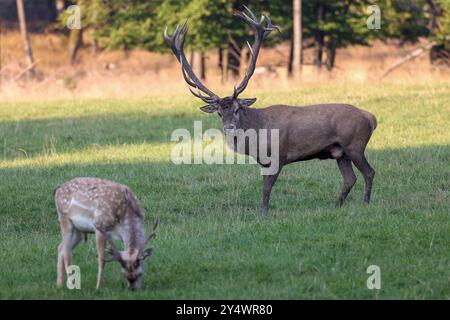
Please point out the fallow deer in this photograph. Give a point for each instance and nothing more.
(324, 131)
(110, 210)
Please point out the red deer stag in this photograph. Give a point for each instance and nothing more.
(108, 209)
(324, 131)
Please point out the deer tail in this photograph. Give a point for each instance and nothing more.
(372, 121)
(56, 189)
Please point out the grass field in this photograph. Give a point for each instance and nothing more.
(212, 243)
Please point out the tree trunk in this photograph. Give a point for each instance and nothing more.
(198, 64)
(53, 10)
(233, 49)
(291, 58)
(203, 66)
(244, 60)
(435, 13)
(95, 47)
(26, 40)
(234, 57)
(297, 54)
(225, 65)
(220, 63)
(319, 37)
(331, 55)
(75, 43)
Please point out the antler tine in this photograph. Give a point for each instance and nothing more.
(244, 17)
(251, 50)
(171, 40)
(176, 43)
(180, 36)
(192, 84)
(261, 30)
(270, 27)
(261, 21)
(250, 12)
(186, 77)
(155, 225)
(203, 98)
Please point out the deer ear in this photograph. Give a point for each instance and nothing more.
(246, 102)
(210, 108)
(147, 253)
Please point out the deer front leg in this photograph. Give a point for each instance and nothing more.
(101, 241)
(268, 182)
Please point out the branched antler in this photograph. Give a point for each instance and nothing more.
(176, 43)
(153, 232)
(261, 30)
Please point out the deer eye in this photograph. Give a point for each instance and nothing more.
(236, 111)
(220, 115)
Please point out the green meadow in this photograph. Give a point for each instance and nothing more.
(212, 243)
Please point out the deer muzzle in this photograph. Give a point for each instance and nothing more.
(229, 129)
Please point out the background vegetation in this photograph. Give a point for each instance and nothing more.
(329, 25)
(326, 25)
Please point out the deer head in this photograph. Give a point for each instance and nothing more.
(131, 261)
(228, 108)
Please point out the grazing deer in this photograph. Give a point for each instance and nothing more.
(108, 209)
(324, 131)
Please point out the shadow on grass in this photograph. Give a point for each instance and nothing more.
(31, 137)
(409, 177)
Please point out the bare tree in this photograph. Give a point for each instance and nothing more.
(75, 43)
(223, 63)
(220, 63)
(297, 53)
(26, 40)
(234, 57)
(198, 63)
(319, 36)
(435, 12)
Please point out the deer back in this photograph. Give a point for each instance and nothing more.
(96, 203)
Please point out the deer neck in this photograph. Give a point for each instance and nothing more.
(133, 236)
(250, 119)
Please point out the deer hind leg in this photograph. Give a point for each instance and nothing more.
(345, 166)
(367, 171)
(71, 238)
(101, 242)
(60, 266)
(64, 249)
